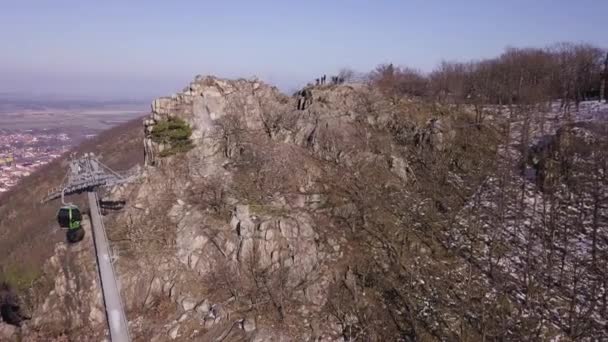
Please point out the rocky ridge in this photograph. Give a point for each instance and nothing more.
(240, 238)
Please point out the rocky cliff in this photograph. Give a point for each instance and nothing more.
(243, 236)
(228, 235)
(341, 221)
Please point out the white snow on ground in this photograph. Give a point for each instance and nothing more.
(539, 246)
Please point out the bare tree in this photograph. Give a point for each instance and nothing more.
(604, 81)
(397, 82)
(346, 74)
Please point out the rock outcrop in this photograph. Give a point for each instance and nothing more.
(262, 247)
(354, 216)
(72, 304)
(7, 332)
(237, 237)
(208, 100)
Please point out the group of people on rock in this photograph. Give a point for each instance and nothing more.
(304, 96)
(334, 80)
(321, 80)
(337, 80)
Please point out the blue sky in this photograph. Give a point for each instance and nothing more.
(136, 48)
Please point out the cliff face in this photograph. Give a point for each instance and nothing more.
(357, 217)
(251, 228)
(71, 304)
(226, 235)
(250, 234)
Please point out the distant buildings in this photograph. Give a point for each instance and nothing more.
(25, 151)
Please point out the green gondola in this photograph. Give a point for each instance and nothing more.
(69, 217)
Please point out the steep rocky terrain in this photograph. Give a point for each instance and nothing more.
(358, 218)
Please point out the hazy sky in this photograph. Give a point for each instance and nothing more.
(148, 48)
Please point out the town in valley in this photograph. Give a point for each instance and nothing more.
(32, 135)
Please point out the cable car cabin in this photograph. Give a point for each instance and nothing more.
(69, 217)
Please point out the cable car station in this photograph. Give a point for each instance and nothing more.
(86, 174)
